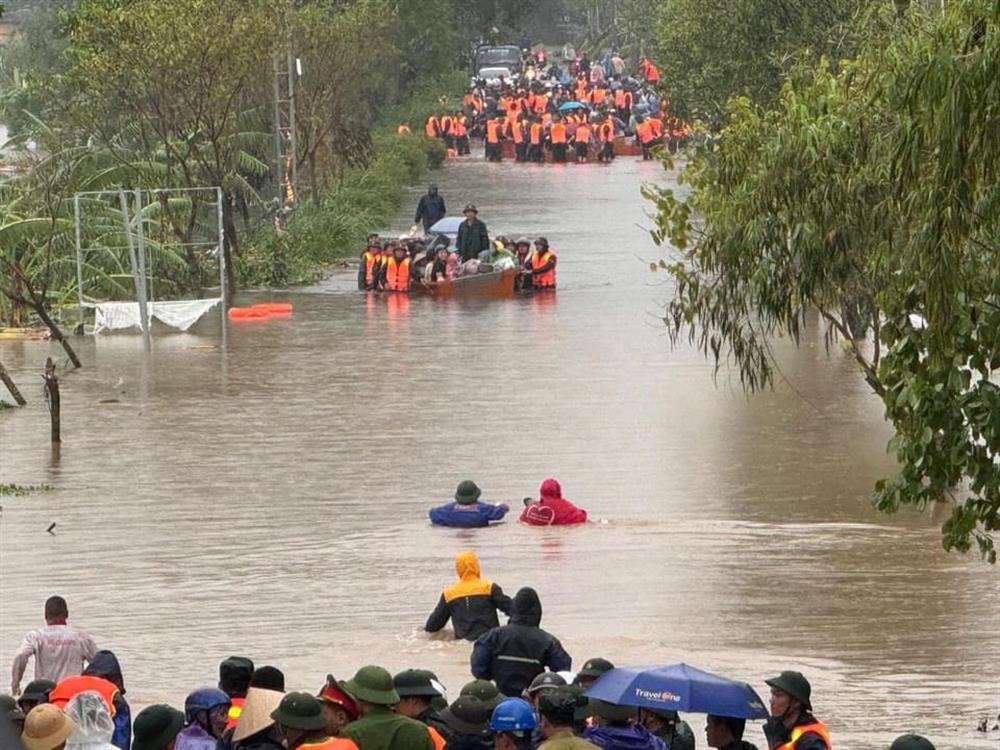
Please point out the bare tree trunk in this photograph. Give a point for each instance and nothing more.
(52, 395)
(57, 335)
(9, 382)
(230, 247)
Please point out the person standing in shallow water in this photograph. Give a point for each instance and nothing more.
(467, 512)
(511, 655)
(430, 209)
(59, 649)
(471, 603)
(552, 509)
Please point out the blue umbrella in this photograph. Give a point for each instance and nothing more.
(678, 687)
(447, 225)
(570, 106)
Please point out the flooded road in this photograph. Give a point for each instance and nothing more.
(270, 499)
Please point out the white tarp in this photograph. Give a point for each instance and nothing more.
(116, 316)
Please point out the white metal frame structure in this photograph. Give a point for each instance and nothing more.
(136, 242)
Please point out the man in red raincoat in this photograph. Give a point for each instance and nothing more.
(552, 509)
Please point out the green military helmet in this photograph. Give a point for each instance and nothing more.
(155, 727)
(595, 667)
(372, 684)
(795, 684)
(485, 690)
(911, 742)
(417, 682)
(299, 711)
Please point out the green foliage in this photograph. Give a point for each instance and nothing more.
(711, 52)
(364, 199)
(19, 490)
(869, 194)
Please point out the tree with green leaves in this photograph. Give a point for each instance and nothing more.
(869, 194)
(711, 52)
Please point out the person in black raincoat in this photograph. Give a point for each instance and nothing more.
(105, 664)
(512, 655)
(472, 235)
(430, 209)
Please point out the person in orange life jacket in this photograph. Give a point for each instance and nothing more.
(235, 674)
(338, 708)
(419, 690)
(467, 512)
(370, 267)
(432, 128)
(581, 142)
(299, 718)
(397, 272)
(726, 733)
(522, 249)
(606, 139)
(558, 139)
(792, 725)
(471, 604)
(460, 126)
(536, 137)
(494, 136)
(447, 130)
(646, 135)
(543, 266)
(519, 134)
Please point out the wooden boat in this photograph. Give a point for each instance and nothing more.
(492, 285)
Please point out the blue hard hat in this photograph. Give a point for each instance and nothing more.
(204, 699)
(513, 715)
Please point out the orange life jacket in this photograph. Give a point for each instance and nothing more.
(397, 275)
(545, 280)
(459, 127)
(330, 743)
(436, 738)
(536, 133)
(403, 129)
(583, 134)
(445, 125)
(581, 91)
(493, 128)
(541, 103)
(372, 261)
(645, 132)
(817, 727)
(433, 127)
(514, 107)
(656, 126)
(517, 132)
(623, 99)
(505, 103)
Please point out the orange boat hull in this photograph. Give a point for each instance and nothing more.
(494, 285)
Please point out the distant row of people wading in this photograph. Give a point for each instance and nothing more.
(521, 695)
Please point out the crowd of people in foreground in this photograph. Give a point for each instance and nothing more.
(569, 114)
(522, 696)
(403, 264)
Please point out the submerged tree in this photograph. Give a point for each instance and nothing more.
(868, 193)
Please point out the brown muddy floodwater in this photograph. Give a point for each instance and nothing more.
(269, 499)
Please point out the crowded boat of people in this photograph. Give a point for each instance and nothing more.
(410, 263)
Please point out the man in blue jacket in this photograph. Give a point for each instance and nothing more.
(467, 512)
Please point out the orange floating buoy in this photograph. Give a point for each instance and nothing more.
(274, 307)
(248, 313)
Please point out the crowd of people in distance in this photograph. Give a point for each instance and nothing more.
(404, 264)
(521, 696)
(568, 114)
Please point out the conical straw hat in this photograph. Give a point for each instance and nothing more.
(256, 714)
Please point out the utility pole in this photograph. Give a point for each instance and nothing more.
(285, 143)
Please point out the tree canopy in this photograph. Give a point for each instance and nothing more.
(868, 192)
